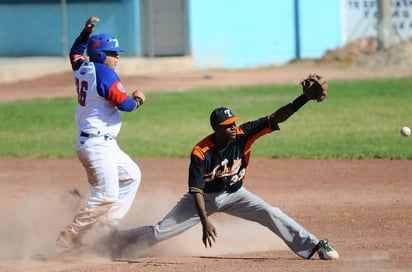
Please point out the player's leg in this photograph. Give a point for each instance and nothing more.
(248, 206)
(101, 168)
(182, 217)
(129, 178)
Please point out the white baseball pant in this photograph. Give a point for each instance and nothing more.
(114, 179)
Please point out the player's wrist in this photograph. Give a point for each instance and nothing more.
(84, 35)
(138, 100)
(296, 104)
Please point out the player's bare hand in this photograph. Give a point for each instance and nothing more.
(140, 94)
(89, 26)
(209, 234)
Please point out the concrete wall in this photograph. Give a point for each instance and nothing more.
(241, 33)
(36, 29)
(245, 33)
(320, 27)
(222, 34)
(360, 19)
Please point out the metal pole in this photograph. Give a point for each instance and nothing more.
(297, 29)
(64, 27)
(384, 24)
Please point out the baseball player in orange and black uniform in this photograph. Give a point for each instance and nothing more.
(217, 171)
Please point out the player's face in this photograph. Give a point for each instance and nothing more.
(111, 59)
(226, 132)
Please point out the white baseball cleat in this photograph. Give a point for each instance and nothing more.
(326, 252)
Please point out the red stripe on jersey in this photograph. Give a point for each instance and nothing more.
(116, 94)
(75, 58)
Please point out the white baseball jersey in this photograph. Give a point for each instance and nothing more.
(95, 114)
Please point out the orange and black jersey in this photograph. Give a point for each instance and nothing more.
(213, 170)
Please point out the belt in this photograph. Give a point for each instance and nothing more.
(84, 134)
(87, 135)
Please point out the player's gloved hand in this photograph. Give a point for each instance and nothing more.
(89, 26)
(315, 87)
(209, 233)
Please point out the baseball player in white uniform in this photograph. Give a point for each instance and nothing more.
(113, 176)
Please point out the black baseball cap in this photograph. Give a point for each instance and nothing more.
(222, 116)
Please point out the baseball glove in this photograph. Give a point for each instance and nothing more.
(315, 87)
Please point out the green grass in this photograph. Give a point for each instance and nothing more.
(359, 120)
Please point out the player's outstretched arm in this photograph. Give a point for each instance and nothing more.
(79, 45)
(314, 87)
(88, 29)
(89, 26)
(283, 113)
(208, 230)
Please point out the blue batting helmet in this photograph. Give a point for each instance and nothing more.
(99, 43)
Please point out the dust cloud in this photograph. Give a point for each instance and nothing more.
(29, 230)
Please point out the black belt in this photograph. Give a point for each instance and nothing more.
(87, 135)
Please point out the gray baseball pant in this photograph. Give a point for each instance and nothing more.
(241, 203)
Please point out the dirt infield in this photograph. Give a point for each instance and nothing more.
(362, 207)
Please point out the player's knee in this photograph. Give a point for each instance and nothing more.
(275, 212)
(98, 207)
(107, 203)
(160, 234)
(109, 198)
(130, 177)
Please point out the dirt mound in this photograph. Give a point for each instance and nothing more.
(398, 57)
(364, 53)
(353, 52)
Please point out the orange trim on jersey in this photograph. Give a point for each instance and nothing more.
(249, 143)
(116, 94)
(202, 147)
(195, 190)
(254, 138)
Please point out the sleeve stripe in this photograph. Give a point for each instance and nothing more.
(195, 190)
(116, 96)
